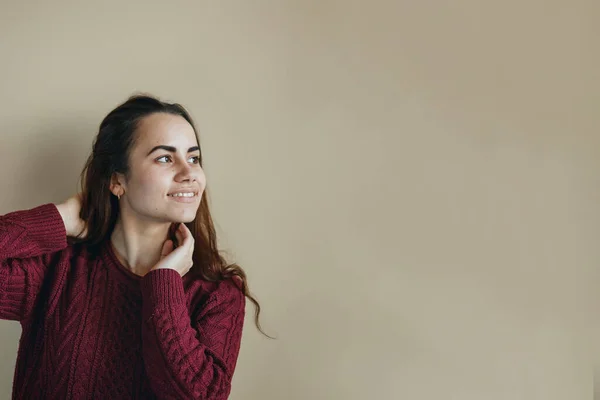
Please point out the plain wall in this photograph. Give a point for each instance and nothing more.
(411, 186)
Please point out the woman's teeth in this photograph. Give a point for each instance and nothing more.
(183, 195)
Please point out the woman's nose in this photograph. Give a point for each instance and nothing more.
(187, 173)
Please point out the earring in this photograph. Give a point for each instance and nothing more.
(119, 196)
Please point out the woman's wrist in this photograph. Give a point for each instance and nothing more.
(63, 214)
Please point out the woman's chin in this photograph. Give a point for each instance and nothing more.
(183, 219)
(182, 216)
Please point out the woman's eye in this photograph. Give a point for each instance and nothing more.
(196, 159)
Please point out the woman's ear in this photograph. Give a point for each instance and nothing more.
(116, 184)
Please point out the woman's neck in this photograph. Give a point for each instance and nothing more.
(138, 244)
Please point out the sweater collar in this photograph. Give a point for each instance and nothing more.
(118, 270)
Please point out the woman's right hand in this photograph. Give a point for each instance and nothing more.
(69, 211)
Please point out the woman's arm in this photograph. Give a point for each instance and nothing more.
(27, 238)
(189, 358)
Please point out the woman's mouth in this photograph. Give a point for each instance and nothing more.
(183, 194)
(184, 197)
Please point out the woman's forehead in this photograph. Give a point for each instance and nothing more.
(165, 130)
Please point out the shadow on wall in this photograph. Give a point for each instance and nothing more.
(597, 383)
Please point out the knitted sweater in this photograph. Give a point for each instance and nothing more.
(91, 329)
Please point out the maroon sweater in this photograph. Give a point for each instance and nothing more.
(94, 330)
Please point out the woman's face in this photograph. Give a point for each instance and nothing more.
(164, 161)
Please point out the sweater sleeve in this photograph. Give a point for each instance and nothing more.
(190, 358)
(27, 239)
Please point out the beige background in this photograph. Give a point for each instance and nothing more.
(412, 186)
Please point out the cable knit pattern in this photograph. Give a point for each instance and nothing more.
(94, 330)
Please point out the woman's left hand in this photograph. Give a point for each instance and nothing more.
(179, 259)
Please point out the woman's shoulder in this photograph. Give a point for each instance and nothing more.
(83, 251)
(74, 259)
(71, 253)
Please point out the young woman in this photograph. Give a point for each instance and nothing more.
(120, 290)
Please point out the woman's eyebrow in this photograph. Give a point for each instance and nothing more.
(171, 149)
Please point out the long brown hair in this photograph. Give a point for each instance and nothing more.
(100, 208)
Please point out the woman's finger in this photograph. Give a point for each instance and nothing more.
(166, 249)
(179, 234)
(187, 235)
